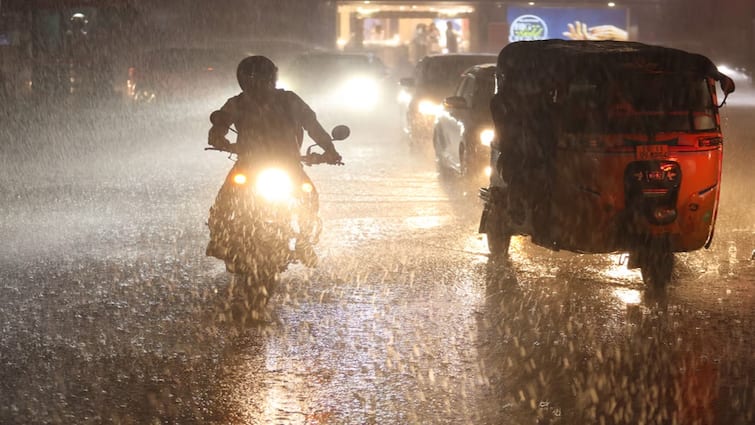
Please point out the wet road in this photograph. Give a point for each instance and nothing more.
(111, 313)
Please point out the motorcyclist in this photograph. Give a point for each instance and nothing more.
(270, 124)
(269, 121)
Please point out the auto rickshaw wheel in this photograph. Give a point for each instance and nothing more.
(657, 268)
(498, 235)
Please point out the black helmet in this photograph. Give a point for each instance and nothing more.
(256, 72)
(79, 23)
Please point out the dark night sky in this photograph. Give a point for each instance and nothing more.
(201, 19)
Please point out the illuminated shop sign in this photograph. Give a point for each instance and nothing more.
(568, 23)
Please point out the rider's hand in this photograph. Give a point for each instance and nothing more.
(332, 157)
(216, 138)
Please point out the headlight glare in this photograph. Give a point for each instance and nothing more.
(428, 107)
(274, 185)
(404, 97)
(487, 136)
(239, 179)
(364, 92)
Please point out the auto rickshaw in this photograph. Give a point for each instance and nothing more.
(605, 147)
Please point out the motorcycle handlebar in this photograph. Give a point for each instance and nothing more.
(317, 158)
(310, 158)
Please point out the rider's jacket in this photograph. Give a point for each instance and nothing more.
(273, 124)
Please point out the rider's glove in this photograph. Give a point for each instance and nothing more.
(332, 157)
(217, 139)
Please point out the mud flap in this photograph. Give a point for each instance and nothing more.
(484, 220)
(485, 196)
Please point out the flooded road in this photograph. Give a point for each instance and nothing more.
(111, 313)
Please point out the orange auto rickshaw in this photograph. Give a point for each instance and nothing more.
(604, 147)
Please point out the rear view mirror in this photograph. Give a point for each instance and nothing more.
(220, 119)
(340, 132)
(727, 86)
(455, 102)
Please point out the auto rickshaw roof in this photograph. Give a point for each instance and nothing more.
(554, 59)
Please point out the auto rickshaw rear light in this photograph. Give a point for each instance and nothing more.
(705, 142)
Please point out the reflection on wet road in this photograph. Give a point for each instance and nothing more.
(110, 312)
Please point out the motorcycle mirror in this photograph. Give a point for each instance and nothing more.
(340, 132)
(220, 118)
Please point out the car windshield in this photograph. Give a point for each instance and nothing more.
(638, 104)
(339, 63)
(445, 73)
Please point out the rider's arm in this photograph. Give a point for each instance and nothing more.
(313, 127)
(218, 131)
(216, 136)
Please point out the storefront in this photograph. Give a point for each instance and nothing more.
(404, 31)
(533, 21)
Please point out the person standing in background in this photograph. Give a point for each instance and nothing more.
(433, 38)
(452, 38)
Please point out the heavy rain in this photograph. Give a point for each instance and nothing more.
(604, 276)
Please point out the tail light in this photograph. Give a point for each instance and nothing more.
(705, 142)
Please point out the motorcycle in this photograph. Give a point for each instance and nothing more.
(605, 147)
(265, 217)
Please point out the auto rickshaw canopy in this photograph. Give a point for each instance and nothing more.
(554, 60)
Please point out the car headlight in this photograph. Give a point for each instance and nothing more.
(239, 179)
(364, 92)
(404, 97)
(274, 185)
(282, 84)
(487, 136)
(428, 107)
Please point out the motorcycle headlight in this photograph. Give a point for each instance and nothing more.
(274, 185)
(487, 136)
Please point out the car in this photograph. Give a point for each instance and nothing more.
(463, 130)
(435, 78)
(345, 82)
(182, 73)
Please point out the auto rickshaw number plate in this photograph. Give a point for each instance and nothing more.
(650, 152)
